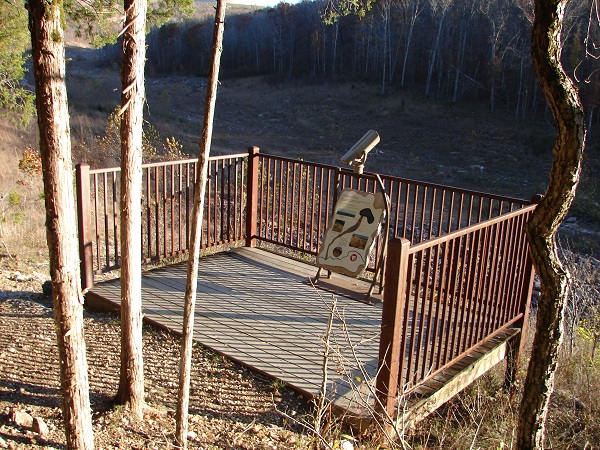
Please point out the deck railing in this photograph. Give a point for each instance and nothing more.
(448, 296)
(294, 200)
(458, 271)
(167, 198)
(258, 197)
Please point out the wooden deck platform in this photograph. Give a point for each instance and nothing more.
(259, 309)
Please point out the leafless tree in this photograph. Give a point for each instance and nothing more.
(439, 8)
(415, 8)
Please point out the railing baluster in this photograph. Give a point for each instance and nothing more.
(279, 222)
(96, 220)
(298, 216)
(520, 257)
(215, 204)
(179, 209)
(470, 288)
(222, 203)
(314, 197)
(423, 214)
(236, 201)
(319, 209)
(396, 224)
(460, 304)
(445, 300)
(431, 214)
(478, 288)
(172, 201)
(293, 185)
(428, 293)
(459, 223)
(413, 222)
(106, 225)
(305, 225)
(436, 300)
(417, 320)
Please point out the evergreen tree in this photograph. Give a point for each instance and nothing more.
(15, 100)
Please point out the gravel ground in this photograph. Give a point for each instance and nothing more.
(230, 406)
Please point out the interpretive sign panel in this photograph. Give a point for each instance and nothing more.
(355, 224)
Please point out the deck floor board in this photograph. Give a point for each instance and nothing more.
(260, 309)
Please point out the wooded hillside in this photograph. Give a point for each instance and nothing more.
(454, 49)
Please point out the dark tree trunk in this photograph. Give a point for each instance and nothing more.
(48, 55)
(185, 361)
(131, 381)
(564, 177)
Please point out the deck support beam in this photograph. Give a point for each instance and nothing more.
(390, 351)
(252, 196)
(516, 344)
(84, 227)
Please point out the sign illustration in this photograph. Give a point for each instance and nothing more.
(352, 231)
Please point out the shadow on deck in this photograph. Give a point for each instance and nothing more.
(260, 310)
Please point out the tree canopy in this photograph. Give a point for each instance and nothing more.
(100, 20)
(15, 100)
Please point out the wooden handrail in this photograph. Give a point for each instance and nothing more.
(471, 228)
(458, 290)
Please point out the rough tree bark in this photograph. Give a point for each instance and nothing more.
(48, 50)
(564, 177)
(185, 361)
(131, 381)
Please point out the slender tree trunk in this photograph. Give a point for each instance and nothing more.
(493, 68)
(461, 58)
(385, 50)
(185, 361)
(335, 41)
(48, 50)
(434, 51)
(564, 177)
(413, 18)
(131, 381)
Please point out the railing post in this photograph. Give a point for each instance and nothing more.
(82, 183)
(515, 346)
(252, 196)
(390, 353)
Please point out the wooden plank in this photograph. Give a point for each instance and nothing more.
(255, 307)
